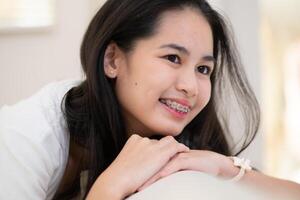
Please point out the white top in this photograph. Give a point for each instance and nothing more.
(34, 144)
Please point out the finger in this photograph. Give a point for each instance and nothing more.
(176, 164)
(167, 139)
(170, 140)
(133, 138)
(165, 149)
(171, 146)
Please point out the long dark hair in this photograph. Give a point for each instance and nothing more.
(92, 110)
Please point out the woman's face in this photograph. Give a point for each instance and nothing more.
(164, 82)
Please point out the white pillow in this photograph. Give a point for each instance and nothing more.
(193, 185)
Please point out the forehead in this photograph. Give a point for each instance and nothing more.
(186, 27)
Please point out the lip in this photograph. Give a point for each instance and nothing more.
(183, 102)
(173, 112)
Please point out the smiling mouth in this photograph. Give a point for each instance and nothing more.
(179, 108)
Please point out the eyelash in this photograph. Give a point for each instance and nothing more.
(207, 68)
(199, 68)
(168, 57)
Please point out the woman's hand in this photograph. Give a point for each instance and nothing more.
(140, 159)
(199, 160)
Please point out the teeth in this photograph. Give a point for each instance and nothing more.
(176, 106)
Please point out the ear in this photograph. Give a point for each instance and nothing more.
(112, 58)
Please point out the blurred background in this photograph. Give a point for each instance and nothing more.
(40, 41)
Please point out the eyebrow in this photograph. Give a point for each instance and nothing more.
(185, 51)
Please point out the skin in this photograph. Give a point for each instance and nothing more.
(155, 69)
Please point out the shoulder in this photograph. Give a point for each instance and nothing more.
(37, 116)
(34, 143)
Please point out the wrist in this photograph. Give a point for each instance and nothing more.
(243, 165)
(105, 188)
(228, 169)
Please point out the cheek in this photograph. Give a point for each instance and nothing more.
(204, 94)
(156, 78)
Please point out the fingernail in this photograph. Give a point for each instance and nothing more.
(186, 147)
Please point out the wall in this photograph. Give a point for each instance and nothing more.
(244, 16)
(30, 59)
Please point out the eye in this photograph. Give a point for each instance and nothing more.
(173, 58)
(206, 70)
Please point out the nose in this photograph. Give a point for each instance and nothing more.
(187, 83)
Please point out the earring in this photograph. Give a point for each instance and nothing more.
(112, 73)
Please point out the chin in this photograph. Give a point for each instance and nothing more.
(172, 132)
(165, 129)
(160, 134)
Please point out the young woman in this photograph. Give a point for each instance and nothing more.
(158, 77)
